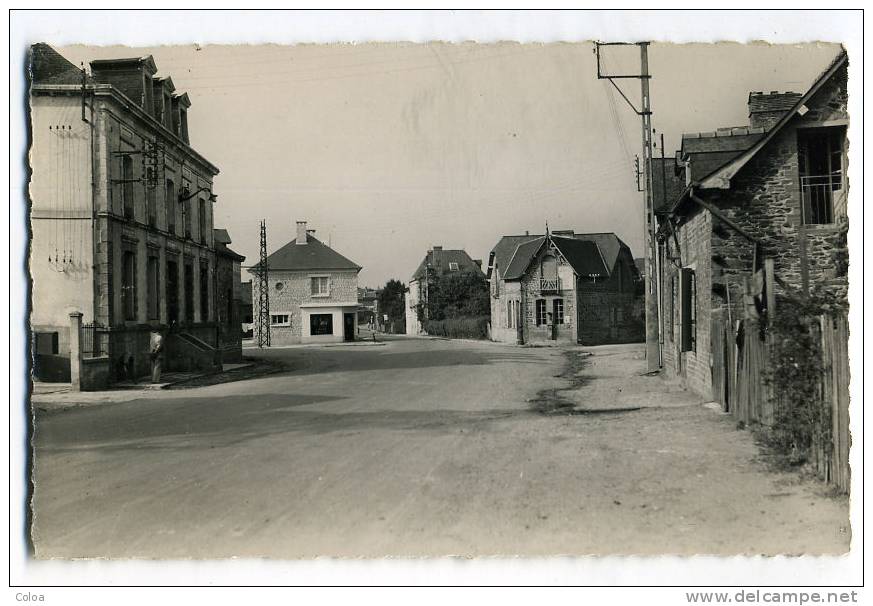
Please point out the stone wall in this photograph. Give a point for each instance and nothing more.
(692, 249)
(290, 289)
(608, 307)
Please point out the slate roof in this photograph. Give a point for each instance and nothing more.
(717, 177)
(521, 258)
(48, 66)
(314, 255)
(502, 253)
(666, 172)
(440, 259)
(607, 243)
(583, 256)
(709, 151)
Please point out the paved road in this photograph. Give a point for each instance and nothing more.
(417, 447)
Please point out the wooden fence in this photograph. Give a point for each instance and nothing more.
(740, 358)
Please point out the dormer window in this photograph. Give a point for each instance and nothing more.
(183, 125)
(453, 266)
(167, 115)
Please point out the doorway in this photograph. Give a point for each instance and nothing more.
(349, 327)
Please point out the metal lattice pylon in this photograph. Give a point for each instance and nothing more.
(263, 293)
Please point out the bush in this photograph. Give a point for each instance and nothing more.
(794, 374)
(459, 328)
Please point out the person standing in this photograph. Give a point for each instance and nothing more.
(156, 351)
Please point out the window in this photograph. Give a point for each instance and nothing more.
(453, 266)
(558, 310)
(509, 314)
(820, 161)
(127, 185)
(186, 216)
(168, 111)
(183, 126)
(541, 312)
(189, 292)
(152, 210)
(153, 286)
(201, 220)
(321, 324)
(280, 285)
(172, 291)
(688, 309)
(204, 291)
(128, 285)
(320, 286)
(170, 203)
(280, 319)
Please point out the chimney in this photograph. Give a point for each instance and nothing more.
(766, 109)
(302, 233)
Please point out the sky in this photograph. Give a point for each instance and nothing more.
(389, 149)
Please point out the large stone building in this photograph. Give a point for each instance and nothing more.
(121, 218)
(436, 262)
(313, 292)
(775, 189)
(564, 287)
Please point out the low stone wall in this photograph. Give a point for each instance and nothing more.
(95, 374)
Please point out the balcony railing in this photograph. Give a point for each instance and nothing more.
(550, 285)
(817, 194)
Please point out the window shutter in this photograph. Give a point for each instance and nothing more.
(685, 284)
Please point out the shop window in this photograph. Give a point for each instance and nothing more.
(321, 324)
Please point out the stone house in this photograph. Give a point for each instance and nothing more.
(313, 292)
(229, 297)
(121, 218)
(436, 262)
(775, 189)
(564, 287)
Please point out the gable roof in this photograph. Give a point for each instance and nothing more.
(521, 258)
(668, 182)
(439, 260)
(609, 245)
(314, 255)
(584, 256)
(720, 178)
(505, 249)
(48, 66)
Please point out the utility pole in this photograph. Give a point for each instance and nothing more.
(653, 348)
(263, 292)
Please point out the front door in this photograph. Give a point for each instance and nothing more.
(349, 327)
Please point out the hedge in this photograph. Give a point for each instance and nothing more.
(459, 328)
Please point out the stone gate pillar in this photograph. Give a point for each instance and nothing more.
(76, 350)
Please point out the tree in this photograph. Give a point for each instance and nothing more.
(456, 295)
(392, 302)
